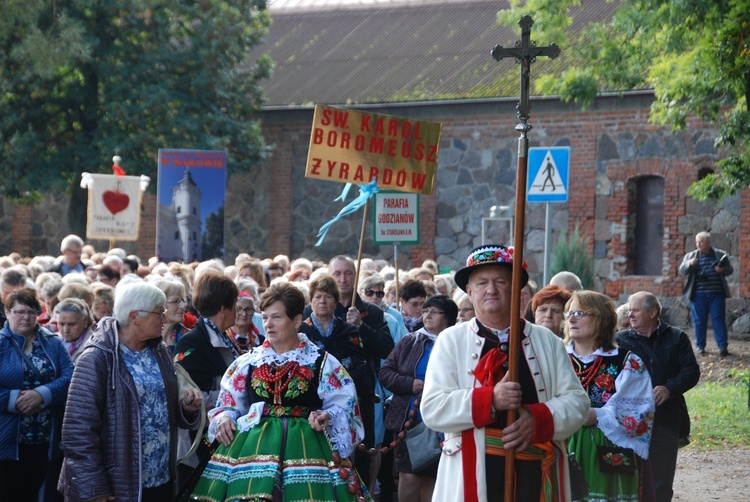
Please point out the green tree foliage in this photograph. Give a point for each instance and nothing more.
(212, 240)
(80, 79)
(694, 54)
(571, 255)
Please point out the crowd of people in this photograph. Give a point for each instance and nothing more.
(278, 379)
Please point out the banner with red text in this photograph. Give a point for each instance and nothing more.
(351, 146)
(114, 206)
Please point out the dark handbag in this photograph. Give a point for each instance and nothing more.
(616, 459)
(423, 445)
(579, 488)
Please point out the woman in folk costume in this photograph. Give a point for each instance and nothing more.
(286, 417)
(622, 402)
(466, 395)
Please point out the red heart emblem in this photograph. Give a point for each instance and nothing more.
(115, 201)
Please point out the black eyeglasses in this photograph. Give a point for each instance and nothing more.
(370, 292)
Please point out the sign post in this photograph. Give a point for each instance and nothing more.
(549, 173)
(396, 218)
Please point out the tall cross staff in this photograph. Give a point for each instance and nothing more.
(525, 52)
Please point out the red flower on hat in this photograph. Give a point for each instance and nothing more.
(493, 255)
(510, 252)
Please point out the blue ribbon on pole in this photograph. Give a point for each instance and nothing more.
(365, 192)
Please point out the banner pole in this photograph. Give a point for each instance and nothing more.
(395, 265)
(525, 53)
(359, 254)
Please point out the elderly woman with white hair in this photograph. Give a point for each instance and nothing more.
(120, 431)
(173, 328)
(74, 319)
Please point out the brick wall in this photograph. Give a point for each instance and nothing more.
(743, 272)
(21, 229)
(275, 210)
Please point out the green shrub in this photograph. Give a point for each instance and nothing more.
(571, 254)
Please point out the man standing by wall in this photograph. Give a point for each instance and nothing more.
(706, 269)
(667, 353)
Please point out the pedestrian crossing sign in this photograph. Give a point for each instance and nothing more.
(548, 169)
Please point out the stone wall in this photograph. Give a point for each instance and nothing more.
(51, 220)
(276, 210)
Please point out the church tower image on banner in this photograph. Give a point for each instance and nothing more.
(180, 223)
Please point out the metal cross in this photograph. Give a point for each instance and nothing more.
(525, 52)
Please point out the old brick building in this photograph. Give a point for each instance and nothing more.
(430, 61)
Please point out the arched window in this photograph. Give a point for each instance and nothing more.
(646, 225)
(703, 172)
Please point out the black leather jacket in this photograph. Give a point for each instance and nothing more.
(668, 355)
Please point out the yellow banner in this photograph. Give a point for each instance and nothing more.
(350, 146)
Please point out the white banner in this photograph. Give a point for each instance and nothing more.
(396, 218)
(114, 208)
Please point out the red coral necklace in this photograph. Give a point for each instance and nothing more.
(271, 377)
(587, 375)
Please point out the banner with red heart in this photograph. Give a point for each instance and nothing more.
(115, 201)
(113, 208)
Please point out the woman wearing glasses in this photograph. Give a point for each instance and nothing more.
(245, 335)
(120, 432)
(173, 329)
(622, 402)
(372, 289)
(35, 371)
(403, 374)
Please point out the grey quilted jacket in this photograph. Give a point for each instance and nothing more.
(101, 430)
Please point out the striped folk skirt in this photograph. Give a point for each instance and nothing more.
(280, 459)
(603, 486)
